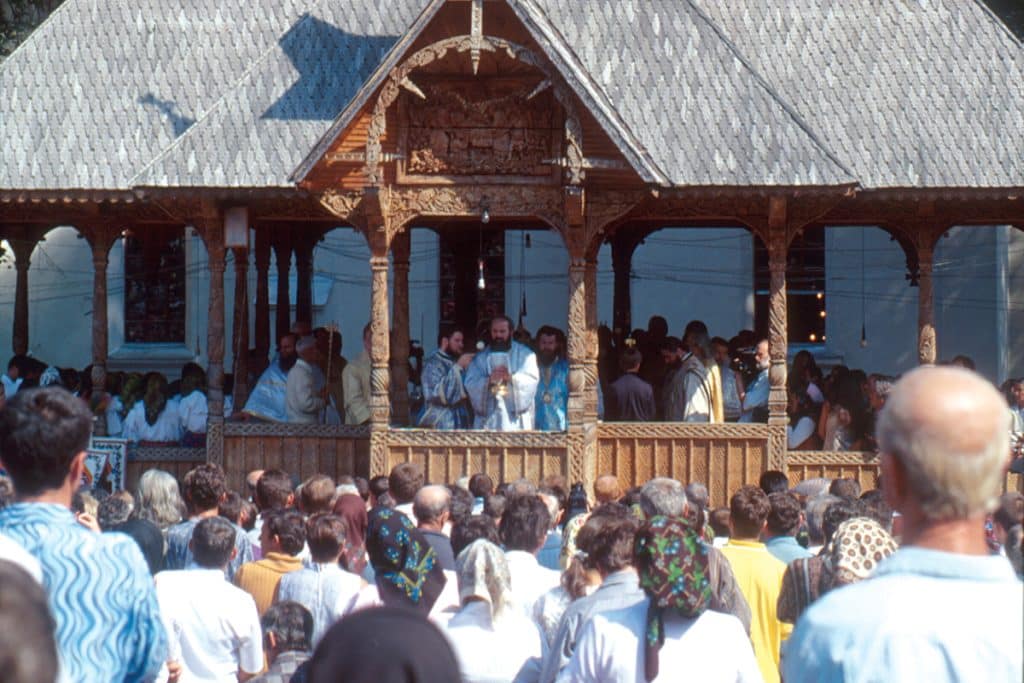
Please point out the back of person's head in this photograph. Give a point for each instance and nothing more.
(460, 505)
(550, 500)
(204, 486)
(494, 506)
(837, 513)
(611, 548)
(784, 518)
(384, 645)
(481, 485)
(748, 510)
(719, 521)
(525, 524)
(405, 480)
(814, 514)
(159, 498)
(697, 495)
(1010, 512)
(774, 481)
(630, 359)
(325, 535)
(663, 496)
(522, 487)
(28, 648)
(362, 485)
(471, 529)
(430, 504)
(6, 490)
(607, 489)
(877, 508)
(288, 527)
(845, 488)
(114, 510)
(213, 540)
(231, 507)
(43, 433)
(943, 441)
(317, 494)
(288, 626)
(379, 485)
(274, 490)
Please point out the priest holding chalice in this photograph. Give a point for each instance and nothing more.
(501, 382)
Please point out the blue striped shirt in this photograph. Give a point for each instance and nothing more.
(100, 593)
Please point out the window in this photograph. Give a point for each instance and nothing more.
(154, 281)
(805, 287)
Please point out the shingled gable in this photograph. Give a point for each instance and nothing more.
(713, 125)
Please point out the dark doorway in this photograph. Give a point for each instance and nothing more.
(462, 250)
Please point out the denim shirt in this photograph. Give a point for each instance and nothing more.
(924, 615)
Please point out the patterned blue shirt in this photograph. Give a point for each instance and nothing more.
(100, 592)
(552, 397)
(923, 615)
(179, 555)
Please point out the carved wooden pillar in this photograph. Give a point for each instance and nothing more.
(213, 235)
(622, 304)
(262, 313)
(577, 340)
(100, 242)
(379, 356)
(778, 334)
(240, 328)
(590, 365)
(926, 342)
(400, 249)
(304, 278)
(22, 260)
(283, 253)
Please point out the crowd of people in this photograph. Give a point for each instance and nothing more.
(399, 579)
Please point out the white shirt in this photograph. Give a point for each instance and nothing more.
(11, 551)
(713, 647)
(114, 422)
(212, 626)
(507, 649)
(444, 608)
(193, 410)
(801, 432)
(167, 427)
(326, 590)
(406, 509)
(529, 579)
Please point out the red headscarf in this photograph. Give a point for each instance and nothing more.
(352, 509)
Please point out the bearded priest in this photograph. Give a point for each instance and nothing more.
(502, 381)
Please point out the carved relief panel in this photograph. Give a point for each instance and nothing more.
(479, 130)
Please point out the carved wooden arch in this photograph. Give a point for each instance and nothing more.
(398, 78)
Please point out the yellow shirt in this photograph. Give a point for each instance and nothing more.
(259, 579)
(355, 380)
(759, 575)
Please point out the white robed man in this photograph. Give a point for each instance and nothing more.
(267, 400)
(502, 381)
(444, 396)
(355, 380)
(306, 390)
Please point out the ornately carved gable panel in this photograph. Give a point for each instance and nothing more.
(479, 128)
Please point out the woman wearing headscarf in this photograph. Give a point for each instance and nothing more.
(153, 419)
(493, 641)
(383, 645)
(406, 569)
(672, 631)
(852, 553)
(352, 510)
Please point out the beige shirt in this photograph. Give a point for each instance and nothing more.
(302, 395)
(356, 382)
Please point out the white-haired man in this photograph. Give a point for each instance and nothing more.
(306, 392)
(942, 608)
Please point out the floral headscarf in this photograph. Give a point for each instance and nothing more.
(856, 548)
(483, 574)
(673, 568)
(352, 510)
(569, 534)
(407, 569)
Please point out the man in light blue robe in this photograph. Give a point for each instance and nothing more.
(552, 398)
(267, 400)
(502, 381)
(757, 393)
(444, 397)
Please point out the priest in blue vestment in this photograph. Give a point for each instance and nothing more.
(444, 396)
(552, 398)
(267, 400)
(502, 381)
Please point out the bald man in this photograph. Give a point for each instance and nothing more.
(942, 608)
(432, 509)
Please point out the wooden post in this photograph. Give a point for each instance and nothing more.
(240, 328)
(100, 242)
(926, 342)
(283, 253)
(22, 260)
(262, 322)
(304, 278)
(622, 303)
(379, 356)
(213, 235)
(400, 251)
(778, 334)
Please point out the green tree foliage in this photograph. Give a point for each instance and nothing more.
(18, 18)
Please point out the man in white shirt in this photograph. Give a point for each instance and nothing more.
(304, 394)
(757, 393)
(213, 628)
(524, 526)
